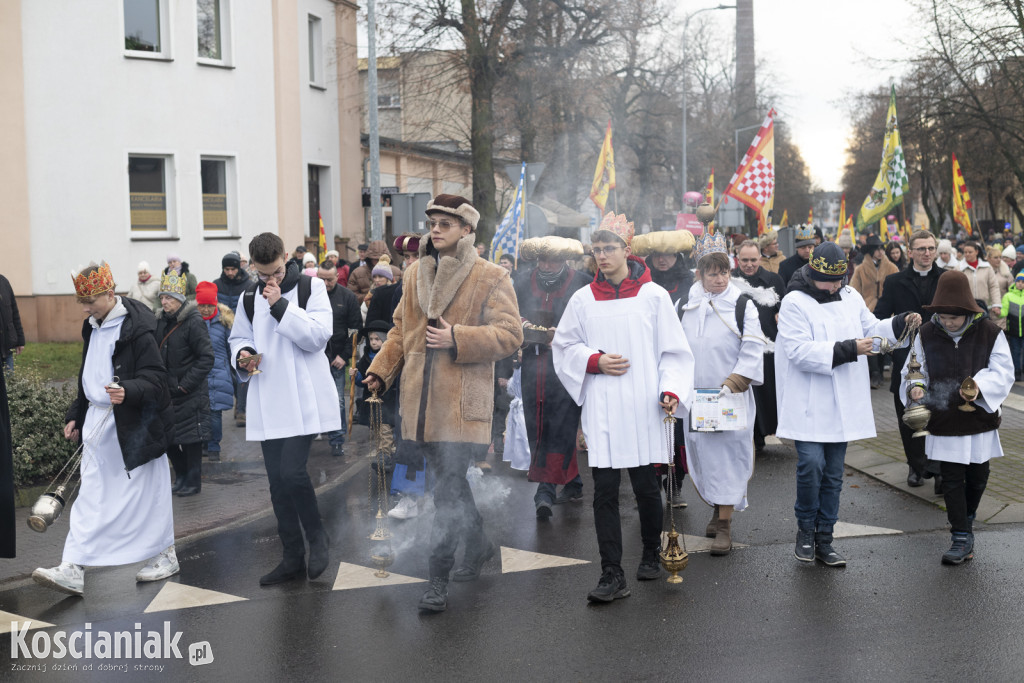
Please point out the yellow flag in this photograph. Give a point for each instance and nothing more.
(961, 199)
(784, 223)
(892, 182)
(321, 246)
(709, 196)
(604, 174)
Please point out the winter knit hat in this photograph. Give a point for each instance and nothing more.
(206, 293)
(1020, 276)
(1010, 252)
(827, 263)
(143, 267)
(383, 268)
(232, 259)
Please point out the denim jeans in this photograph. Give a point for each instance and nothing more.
(216, 431)
(548, 492)
(337, 437)
(1016, 346)
(819, 481)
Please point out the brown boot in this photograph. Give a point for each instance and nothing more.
(712, 529)
(723, 539)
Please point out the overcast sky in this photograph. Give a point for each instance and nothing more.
(818, 51)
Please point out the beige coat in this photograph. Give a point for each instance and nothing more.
(771, 263)
(360, 280)
(869, 280)
(448, 396)
(984, 283)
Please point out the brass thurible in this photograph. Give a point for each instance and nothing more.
(673, 558)
(916, 416)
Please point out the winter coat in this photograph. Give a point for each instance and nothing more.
(188, 357)
(222, 388)
(766, 313)
(145, 420)
(229, 289)
(11, 333)
(448, 396)
(677, 280)
(360, 280)
(379, 306)
(869, 279)
(347, 319)
(772, 263)
(790, 266)
(984, 283)
(190, 284)
(1013, 312)
(147, 292)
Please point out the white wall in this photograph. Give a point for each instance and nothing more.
(87, 106)
(320, 134)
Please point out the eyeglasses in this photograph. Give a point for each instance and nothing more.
(598, 251)
(923, 250)
(277, 274)
(444, 225)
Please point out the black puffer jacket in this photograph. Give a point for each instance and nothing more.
(145, 421)
(188, 355)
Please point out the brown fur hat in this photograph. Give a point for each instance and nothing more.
(454, 205)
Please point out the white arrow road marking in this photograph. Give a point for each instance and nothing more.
(513, 560)
(10, 622)
(354, 576)
(180, 596)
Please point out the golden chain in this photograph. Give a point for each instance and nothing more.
(670, 438)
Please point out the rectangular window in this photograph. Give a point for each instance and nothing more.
(315, 41)
(213, 177)
(389, 101)
(146, 28)
(149, 194)
(208, 29)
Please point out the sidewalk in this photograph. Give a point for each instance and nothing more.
(235, 491)
(882, 458)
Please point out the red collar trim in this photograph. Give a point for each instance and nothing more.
(639, 274)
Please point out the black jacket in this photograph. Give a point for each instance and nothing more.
(677, 280)
(11, 334)
(347, 319)
(906, 292)
(380, 305)
(769, 280)
(229, 289)
(145, 421)
(188, 356)
(788, 267)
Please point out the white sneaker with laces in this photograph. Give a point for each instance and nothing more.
(159, 567)
(406, 508)
(67, 578)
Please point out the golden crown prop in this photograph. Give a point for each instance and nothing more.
(97, 282)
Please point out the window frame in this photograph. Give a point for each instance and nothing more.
(226, 37)
(165, 13)
(231, 203)
(315, 51)
(170, 195)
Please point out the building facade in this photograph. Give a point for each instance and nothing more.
(161, 126)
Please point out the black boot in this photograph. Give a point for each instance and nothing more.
(650, 565)
(194, 472)
(938, 485)
(470, 569)
(824, 552)
(289, 569)
(436, 597)
(962, 549)
(179, 483)
(804, 545)
(318, 554)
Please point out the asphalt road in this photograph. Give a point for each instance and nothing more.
(895, 613)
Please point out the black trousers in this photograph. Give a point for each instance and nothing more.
(606, 511)
(962, 488)
(456, 517)
(914, 448)
(291, 492)
(187, 459)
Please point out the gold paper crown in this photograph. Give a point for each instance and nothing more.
(172, 283)
(617, 223)
(97, 282)
(819, 264)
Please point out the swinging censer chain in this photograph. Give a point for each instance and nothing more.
(381, 555)
(673, 558)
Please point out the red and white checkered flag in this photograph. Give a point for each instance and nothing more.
(753, 183)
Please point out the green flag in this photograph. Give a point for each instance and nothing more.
(892, 181)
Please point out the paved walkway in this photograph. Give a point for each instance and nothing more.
(882, 458)
(235, 491)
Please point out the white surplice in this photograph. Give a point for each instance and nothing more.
(116, 519)
(995, 383)
(622, 421)
(818, 402)
(294, 393)
(721, 463)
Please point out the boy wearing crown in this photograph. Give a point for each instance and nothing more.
(123, 418)
(619, 350)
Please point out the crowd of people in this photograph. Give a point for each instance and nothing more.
(597, 345)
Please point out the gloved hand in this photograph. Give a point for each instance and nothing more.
(725, 391)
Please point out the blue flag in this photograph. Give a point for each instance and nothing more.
(510, 231)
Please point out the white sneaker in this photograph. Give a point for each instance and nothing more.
(67, 578)
(406, 508)
(160, 566)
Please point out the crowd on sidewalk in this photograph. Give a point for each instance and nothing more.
(698, 349)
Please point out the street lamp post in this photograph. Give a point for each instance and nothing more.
(686, 24)
(736, 143)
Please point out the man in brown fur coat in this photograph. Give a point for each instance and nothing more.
(458, 315)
